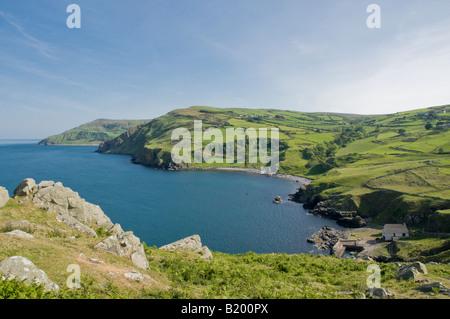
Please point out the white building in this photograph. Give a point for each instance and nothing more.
(394, 231)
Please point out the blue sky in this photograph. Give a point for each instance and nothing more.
(141, 59)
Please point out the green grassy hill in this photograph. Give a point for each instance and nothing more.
(92, 133)
(392, 167)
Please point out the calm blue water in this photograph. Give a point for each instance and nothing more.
(232, 212)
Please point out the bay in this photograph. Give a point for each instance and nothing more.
(231, 211)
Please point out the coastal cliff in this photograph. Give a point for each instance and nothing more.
(92, 133)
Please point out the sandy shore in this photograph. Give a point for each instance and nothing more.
(300, 180)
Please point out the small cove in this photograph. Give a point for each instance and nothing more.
(231, 211)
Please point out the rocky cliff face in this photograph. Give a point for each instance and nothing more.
(114, 144)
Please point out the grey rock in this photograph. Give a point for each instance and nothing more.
(380, 293)
(22, 269)
(406, 273)
(327, 237)
(45, 184)
(115, 229)
(70, 207)
(205, 253)
(420, 267)
(125, 244)
(278, 200)
(137, 276)
(191, 243)
(75, 224)
(19, 233)
(434, 286)
(26, 187)
(4, 196)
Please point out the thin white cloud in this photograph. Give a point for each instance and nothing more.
(27, 39)
(31, 68)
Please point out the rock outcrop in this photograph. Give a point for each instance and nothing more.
(380, 293)
(24, 270)
(349, 219)
(192, 243)
(408, 271)
(125, 244)
(75, 212)
(4, 196)
(327, 237)
(69, 207)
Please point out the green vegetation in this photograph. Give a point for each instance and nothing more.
(389, 167)
(92, 133)
(392, 168)
(182, 274)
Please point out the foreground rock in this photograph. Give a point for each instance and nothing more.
(408, 271)
(26, 187)
(125, 244)
(75, 212)
(4, 196)
(327, 237)
(380, 293)
(192, 243)
(22, 269)
(69, 207)
(19, 233)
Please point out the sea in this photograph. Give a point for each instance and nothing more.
(232, 212)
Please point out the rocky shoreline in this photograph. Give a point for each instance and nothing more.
(326, 209)
(327, 237)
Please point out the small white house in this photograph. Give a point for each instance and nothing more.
(394, 231)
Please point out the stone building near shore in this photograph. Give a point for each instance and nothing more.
(395, 231)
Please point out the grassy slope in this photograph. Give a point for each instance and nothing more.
(395, 173)
(93, 133)
(392, 156)
(297, 130)
(184, 274)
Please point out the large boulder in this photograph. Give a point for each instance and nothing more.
(420, 267)
(380, 293)
(191, 243)
(24, 270)
(4, 196)
(407, 271)
(125, 244)
(26, 187)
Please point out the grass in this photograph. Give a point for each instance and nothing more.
(93, 133)
(183, 274)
